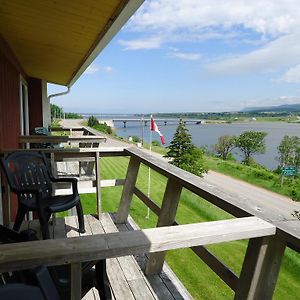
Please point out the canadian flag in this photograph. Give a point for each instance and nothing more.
(153, 127)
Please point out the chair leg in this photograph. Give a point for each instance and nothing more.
(43, 218)
(19, 218)
(80, 217)
(102, 281)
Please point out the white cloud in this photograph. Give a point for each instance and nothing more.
(185, 55)
(142, 44)
(91, 69)
(108, 69)
(273, 27)
(263, 16)
(292, 75)
(282, 52)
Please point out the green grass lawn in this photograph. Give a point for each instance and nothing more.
(255, 175)
(196, 276)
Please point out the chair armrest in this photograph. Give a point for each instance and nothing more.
(74, 182)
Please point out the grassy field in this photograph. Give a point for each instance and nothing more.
(257, 176)
(196, 276)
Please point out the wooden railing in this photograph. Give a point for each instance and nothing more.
(74, 251)
(89, 135)
(270, 250)
(264, 253)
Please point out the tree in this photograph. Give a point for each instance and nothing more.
(180, 145)
(92, 121)
(183, 152)
(226, 143)
(193, 162)
(251, 142)
(289, 151)
(56, 111)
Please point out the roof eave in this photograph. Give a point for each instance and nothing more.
(117, 24)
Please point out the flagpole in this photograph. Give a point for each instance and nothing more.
(149, 169)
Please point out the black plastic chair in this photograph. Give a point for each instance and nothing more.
(20, 291)
(29, 176)
(52, 283)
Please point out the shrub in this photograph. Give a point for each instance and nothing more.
(70, 115)
(156, 143)
(103, 128)
(136, 139)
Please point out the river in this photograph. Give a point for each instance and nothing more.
(208, 134)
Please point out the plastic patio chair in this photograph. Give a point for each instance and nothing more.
(29, 176)
(49, 283)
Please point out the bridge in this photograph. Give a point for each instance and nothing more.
(165, 121)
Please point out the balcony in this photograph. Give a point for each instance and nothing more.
(136, 258)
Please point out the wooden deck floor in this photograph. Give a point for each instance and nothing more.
(125, 273)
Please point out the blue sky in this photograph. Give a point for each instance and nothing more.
(195, 55)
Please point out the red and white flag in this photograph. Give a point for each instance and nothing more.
(155, 128)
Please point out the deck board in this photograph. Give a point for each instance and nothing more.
(168, 281)
(125, 273)
(128, 269)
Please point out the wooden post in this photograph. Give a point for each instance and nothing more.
(166, 218)
(98, 185)
(76, 281)
(127, 193)
(260, 268)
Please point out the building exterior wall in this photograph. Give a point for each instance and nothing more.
(10, 126)
(9, 99)
(10, 107)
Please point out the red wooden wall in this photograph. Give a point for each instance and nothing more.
(10, 127)
(9, 98)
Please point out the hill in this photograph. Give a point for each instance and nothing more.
(280, 108)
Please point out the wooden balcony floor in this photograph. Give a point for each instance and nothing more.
(125, 273)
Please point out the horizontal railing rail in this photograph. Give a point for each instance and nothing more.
(89, 137)
(24, 139)
(21, 256)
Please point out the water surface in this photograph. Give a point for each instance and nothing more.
(208, 134)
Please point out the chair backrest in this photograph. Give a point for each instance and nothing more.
(41, 131)
(27, 171)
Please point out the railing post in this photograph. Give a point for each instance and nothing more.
(127, 193)
(98, 184)
(166, 218)
(76, 281)
(260, 268)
